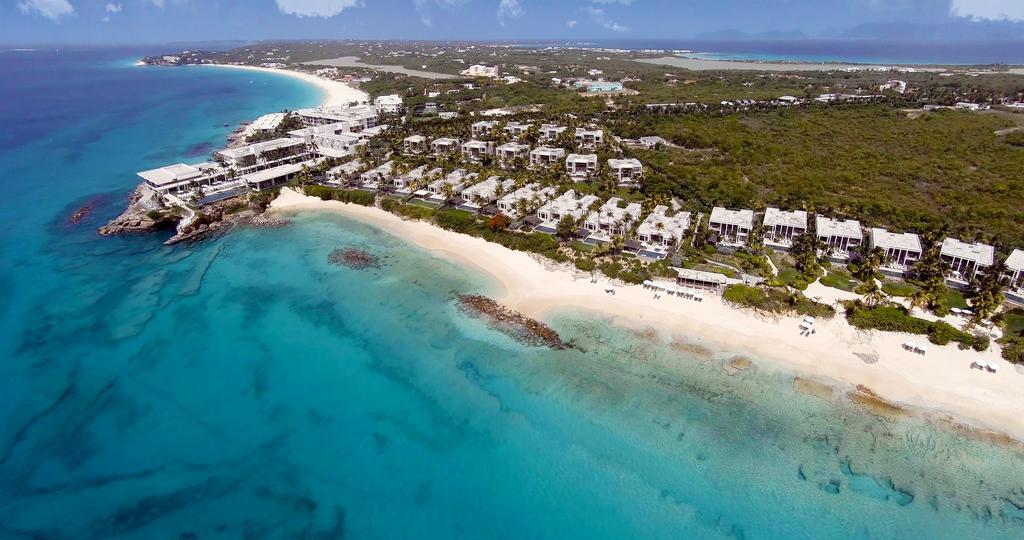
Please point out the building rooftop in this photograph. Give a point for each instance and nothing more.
(486, 189)
(274, 172)
(569, 204)
(610, 212)
(741, 218)
(674, 226)
(631, 163)
(513, 147)
(828, 227)
(582, 158)
(415, 138)
(796, 219)
(173, 174)
(889, 240)
(1016, 260)
(980, 254)
(700, 275)
(527, 192)
(445, 141)
(261, 147)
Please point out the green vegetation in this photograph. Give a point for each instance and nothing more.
(901, 289)
(408, 211)
(364, 198)
(955, 299)
(838, 279)
(892, 318)
(776, 301)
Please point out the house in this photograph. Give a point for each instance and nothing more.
(611, 220)
(546, 156)
(181, 178)
(966, 261)
(781, 226)
(265, 154)
(476, 150)
(336, 145)
(482, 128)
(360, 116)
(341, 174)
(732, 226)
(512, 151)
(581, 165)
(652, 142)
(444, 145)
(600, 86)
(374, 178)
(477, 196)
(900, 249)
(516, 129)
(389, 104)
(274, 176)
(443, 189)
(566, 204)
(699, 279)
(589, 138)
(659, 231)
(841, 237)
(478, 70)
(414, 144)
(404, 183)
(525, 199)
(627, 172)
(1015, 270)
(550, 132)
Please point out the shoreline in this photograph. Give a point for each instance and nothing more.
(704, 64)
(336, 93)
(940, 386)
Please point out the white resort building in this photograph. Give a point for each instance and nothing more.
(479, 195)
(342, 174)
(482, 128)
(966, 261)
(566, 204)
(1015, 276)
(840, 237)
(443, 189)
(404, 183)
(181, 178)
(581, 165)
(901, 249)
(550, 132)
(781, 226)
(627, 172)
(444, 145)
(699, 279)
(263, 154)
(589, 138)
(516, 129)
(478, 70)
(612, 220)
(374, 178)
(476, 150)
(545, 156)
(389, 104)
(527, 198)
(659, 232)
(414, 144)
(732, 226)
(511, 151)
(359, 117)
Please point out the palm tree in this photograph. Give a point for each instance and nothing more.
(920, 300)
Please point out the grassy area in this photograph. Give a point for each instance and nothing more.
(901, 289)
(1015, 322)
(788, 275)
(581, 247)
(839, 280)
(955, 299)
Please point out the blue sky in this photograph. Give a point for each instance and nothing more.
(152, 21)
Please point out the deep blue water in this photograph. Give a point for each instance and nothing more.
(244, 387)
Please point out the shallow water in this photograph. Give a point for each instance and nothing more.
(246, 387)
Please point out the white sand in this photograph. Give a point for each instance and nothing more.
(939, 385)
(335, 92)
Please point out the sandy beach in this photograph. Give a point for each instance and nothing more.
(940, 385)
(335, 92)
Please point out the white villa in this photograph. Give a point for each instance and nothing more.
(510, 151)
(477, 70)
(699, 279)
(531, 195)
(456, 180)
(359, 117)
(344, 172)
(389, 104)
(901, 249)
(265, 154)
(403, 183)
(612, 220)
(337, 144)
(268, 178)
(414, 144)
(581, 165)
(481, 194)
(841, 237)
(566, 204)
(781, 226)
(476, 150)
(482, 128)
(444, 145)
(373, 178)
(966, 261)
(589, 138)
(516, 129)
(546, 156)
(733, 226)
(1015, 270)
(627, 172)
(659, 231)
(549, 132)
(181, 178)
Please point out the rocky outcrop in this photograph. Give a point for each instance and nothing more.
(357, 259)
(516, 325)
(144, 214)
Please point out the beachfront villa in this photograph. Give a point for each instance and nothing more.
(659, 232)
(901, 249)
(414, 144)
(840, 237)
(545, 156)
(589, 138)
(263, 154)
(268, 178)
(475, 150)
(358, 117)
(336, 145)
(699, 279)
(444, 145)
(627, 172)
(781, 227)
(550, 132)
(341, 174)
(509, 152)
(566, 204)
(478, 70)
(443, 189)
(389, 104)
(966, 261)
(516, 129)
(525, 199)
(479, 195)
(482, 128)
(374, 178)
(181, 178)
(267, 122)
(611, 220)
(732, 226)
(581, 165)
(1015, 277)
(404, 183)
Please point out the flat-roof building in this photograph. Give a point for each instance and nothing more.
(264, 153)
(477, 150)
(612, 220)
(732, 226)
(483, 193)
(900, 249)
(452, 184)
(699, 279)
(1015, 270)
(414, 144)
(589, 138)
(627, 172)
(180, 178)
(840, 236)
(375, 177)
(781, 226)
(966, 261)
(444, 145)
(659, 231)
(550, 132)
(525, 200)
(512, 151)
(482, 128)
(566, 204)
(581, 165)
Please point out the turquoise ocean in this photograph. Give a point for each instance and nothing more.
(243, 387)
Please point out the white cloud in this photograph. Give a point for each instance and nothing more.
(113, 8)
(599, 17)
(623, 2)
(509, 9)
(571, 24)
(51, 9)
(315, 8)
(423, 8)
(988, 9)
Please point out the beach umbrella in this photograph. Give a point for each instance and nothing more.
(809, 320)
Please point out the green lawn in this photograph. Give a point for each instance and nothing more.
(839, 280)
(955, 299)
(1015, 322)
(788, 275)
(581, 247)
(899, 288)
